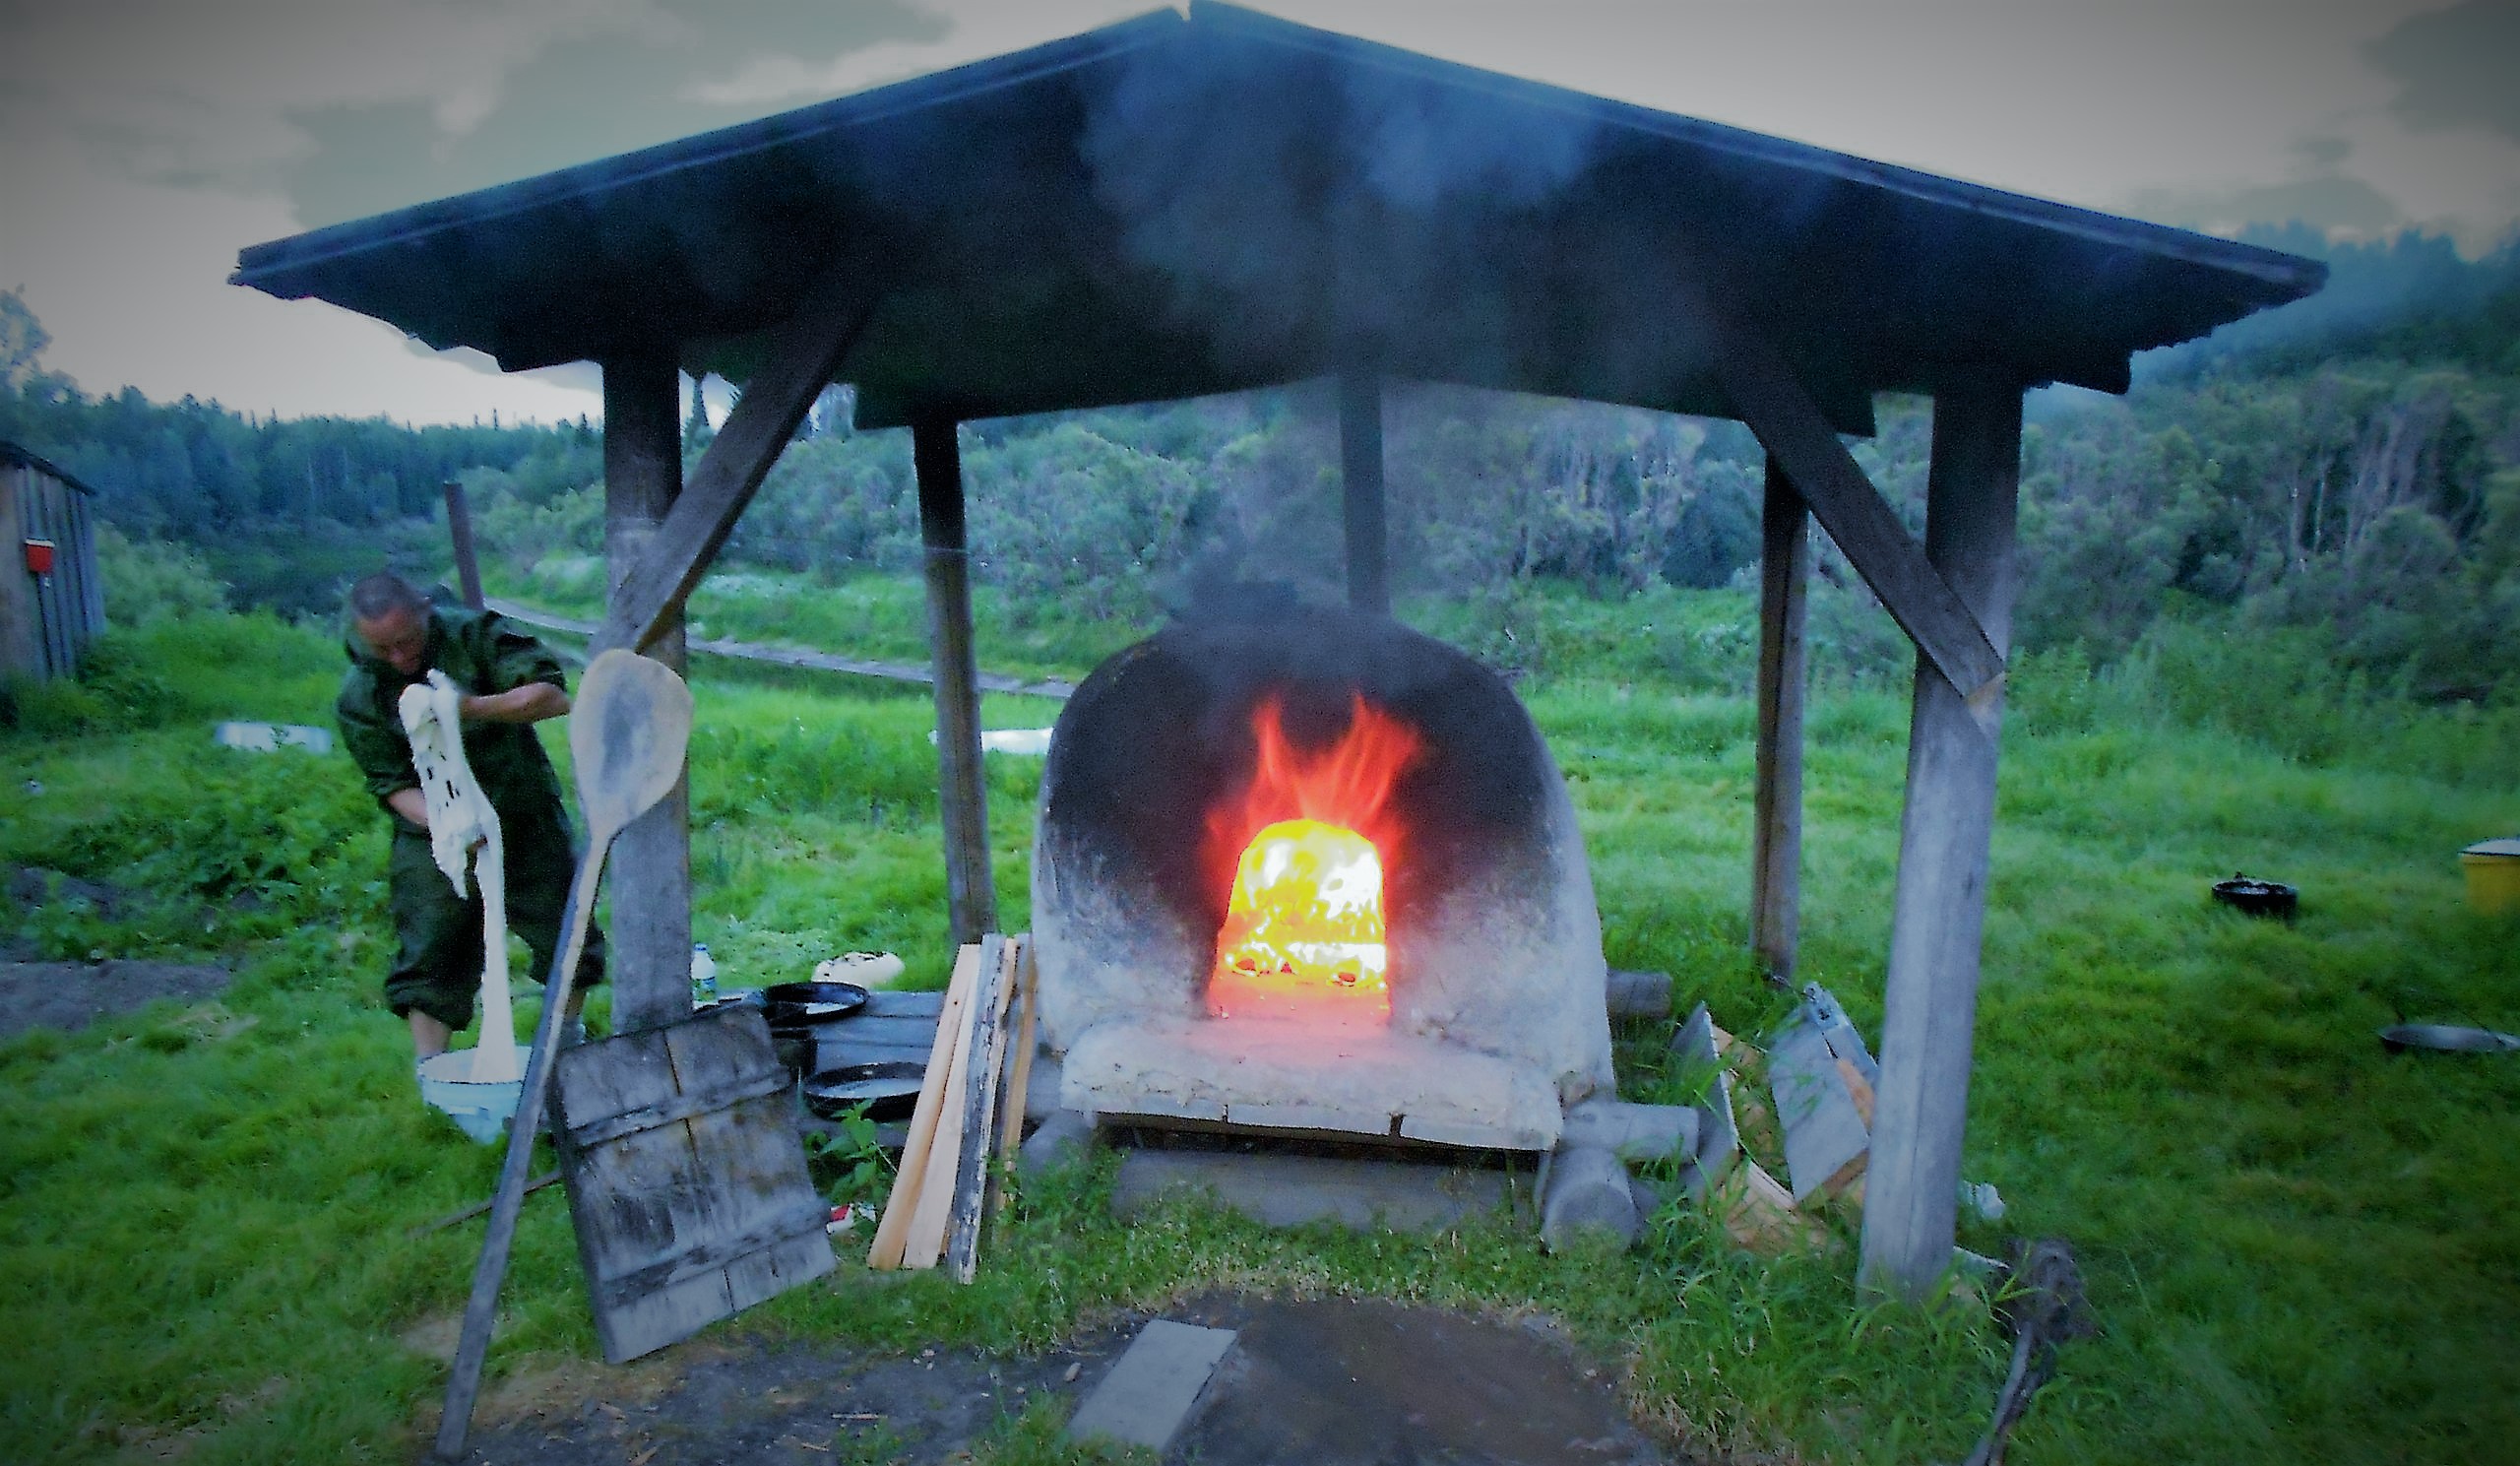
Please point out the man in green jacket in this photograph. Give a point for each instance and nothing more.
(509, 682)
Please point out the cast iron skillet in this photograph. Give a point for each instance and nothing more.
(2258, 898)
(888, 1090)
(799, 1004)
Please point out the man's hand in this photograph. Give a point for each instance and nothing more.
(530, 703)
(409, 803)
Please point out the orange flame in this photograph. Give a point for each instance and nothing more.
(1308, 841)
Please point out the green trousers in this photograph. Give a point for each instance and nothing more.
(438, 957)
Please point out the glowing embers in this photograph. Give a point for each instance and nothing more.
(1303, 930)
(1307, 843)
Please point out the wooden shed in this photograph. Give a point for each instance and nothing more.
(1200, 202)
(52, 601)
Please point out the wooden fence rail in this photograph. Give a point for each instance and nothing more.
(786, 657)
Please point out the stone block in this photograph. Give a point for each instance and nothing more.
(1147, 1396)
(1633, 1132)
(1061, 1139)
(1295, 1190)
(1639, 994)
(1825, 1139)
(1719, 1138)
(1586, 1194)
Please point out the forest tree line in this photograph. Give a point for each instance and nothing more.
(2345, 469)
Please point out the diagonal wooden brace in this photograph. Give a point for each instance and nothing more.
(805, 353)
(1772, 401)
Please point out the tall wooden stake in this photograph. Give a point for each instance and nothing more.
(971, 895)
(458, 528)
(651, 943)
(1920, 1107)
(1361, 487)
(1776, 861)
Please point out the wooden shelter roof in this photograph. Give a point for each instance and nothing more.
(1185, 203)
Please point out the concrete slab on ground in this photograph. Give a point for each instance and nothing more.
(1149, 1395)
(1291, 1190)
(1364, 1382)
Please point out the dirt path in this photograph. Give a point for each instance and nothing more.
(70, 995)
(1331, 1382)
(710, 1402)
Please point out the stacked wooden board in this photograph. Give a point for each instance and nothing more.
(969, 1114)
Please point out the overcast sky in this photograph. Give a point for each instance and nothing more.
(144, 142)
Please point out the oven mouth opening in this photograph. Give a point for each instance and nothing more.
(1304, 936)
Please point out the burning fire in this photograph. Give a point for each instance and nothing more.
(1308, 841)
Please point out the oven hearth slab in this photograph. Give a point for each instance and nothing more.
(1294, 1076)
(1277, 1190)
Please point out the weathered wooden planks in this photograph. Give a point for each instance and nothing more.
(686, 1182)
(892, 1230)
(964, 1120)
(979, 1138)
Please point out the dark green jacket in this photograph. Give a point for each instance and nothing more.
(483, 653)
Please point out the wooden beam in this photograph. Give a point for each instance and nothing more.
(803, 355)
(651, 868)
(1361, 490)
(1776, 858)
(1772, 401)
(1920, 1106)
(962, 788)
(459, 528)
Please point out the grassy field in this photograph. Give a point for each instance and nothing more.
(2299, 1249)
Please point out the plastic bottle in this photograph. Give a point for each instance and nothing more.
(704, 975)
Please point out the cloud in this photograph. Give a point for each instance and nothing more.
(129, 278)
(2332, 203)
(143, 142)
(965, 30)
(574, 100)
(2457, 68)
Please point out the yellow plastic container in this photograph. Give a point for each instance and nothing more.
(2494, 874)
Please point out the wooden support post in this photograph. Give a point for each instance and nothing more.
(1361, 487)
(1772, 401)
(651, 935)
(1776, 859)
(971, 896)
(458, 528)
(802, 355)
(1930, 1004)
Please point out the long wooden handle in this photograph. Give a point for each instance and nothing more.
(464, 1386)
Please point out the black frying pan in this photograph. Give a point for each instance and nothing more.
(802, 1004)
(888, 1090)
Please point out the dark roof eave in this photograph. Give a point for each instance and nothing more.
(2057, 330)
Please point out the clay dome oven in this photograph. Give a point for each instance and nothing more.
(1459, 993)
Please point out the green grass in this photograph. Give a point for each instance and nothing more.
(2299, 1249)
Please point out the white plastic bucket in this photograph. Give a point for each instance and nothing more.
(480, 1111)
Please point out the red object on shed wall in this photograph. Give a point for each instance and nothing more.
(39, 556)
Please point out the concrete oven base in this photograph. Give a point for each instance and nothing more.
(1294, 1076)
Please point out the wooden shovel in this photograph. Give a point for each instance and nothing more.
(628, 733)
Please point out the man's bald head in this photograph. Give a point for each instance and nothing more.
(385, 592)
(393, 619)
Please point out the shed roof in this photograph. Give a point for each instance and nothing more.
(19, 456)
(1184, 203)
